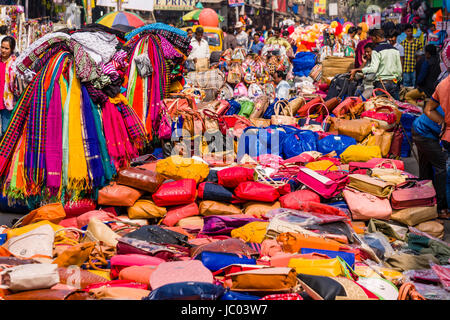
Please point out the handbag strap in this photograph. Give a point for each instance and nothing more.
(277, 107)
(387, 161)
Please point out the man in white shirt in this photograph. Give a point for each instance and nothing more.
(393, 41)
(283, 87)
(241, 35)
(200, 49)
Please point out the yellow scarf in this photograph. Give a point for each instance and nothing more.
(78, 179)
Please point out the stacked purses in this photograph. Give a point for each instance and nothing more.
(374, 186)
(263, 280)
(175, 193)
(215, 261)
(118, 195)
(256, 191)
(413, 194)
(326, 183)
(365, 206)
(215, 192)
(232, 177)
(177, 213)
(139, 178)
(209, 208)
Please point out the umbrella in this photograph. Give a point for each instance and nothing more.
(123, 28)
(193, 15)
(121, 18)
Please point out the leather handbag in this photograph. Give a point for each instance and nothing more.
(98, 231)
(145, 209)
(365, 206)
(175, 193)
(359, 153)
(75, 255)
(376, 162)
(214, 122)
(36, 242)
(374, 186)
(177, 213)
(320, 267)
(380, 138)
(126, 245)
(259, 209)
(413, 194)
(233, 176)
(256, 191)
(29, 277)
(358, 129)
(214, 192)
(253, 232)
(215, 261)
(414, 215)
(51, 294)
(53, 212)
(230, 245)
(77, 208)
(326, 183)
(386, 120)
(270, 279)
(118, 195)
(396, 144)
(332, 103)
(208, 208)
(187, 290)
(293, 242)
(349, 108)
(261, 104)
(222, 225)
(303, 110)
(293, 199)
(315, 125)
(165, 124)
(139, 178)
(177, 167)
(279, 119)
(119, 293)
(119, 262)
(433, 228)
(180, 271)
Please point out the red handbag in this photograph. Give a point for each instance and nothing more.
(232, 177)
(176, 193)
(374, 162)
(303, 111)
(294, 199)
(396, 144)
(179, 212)
(214, 116)
(256, 191)
(76, 208)
(413, 194)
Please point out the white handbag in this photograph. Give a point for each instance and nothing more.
(30, 277)
(98, 231)
(38, 241)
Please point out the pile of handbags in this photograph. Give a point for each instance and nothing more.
(314, 226)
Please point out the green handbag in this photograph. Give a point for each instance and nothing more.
(246, 108)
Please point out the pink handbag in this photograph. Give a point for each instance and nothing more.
(121, 261)
(419, 195)
(180, 271)
(165, 127)
(365, 206)
(177, 213)
(326, 183)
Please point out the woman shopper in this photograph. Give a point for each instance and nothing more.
(7, 81)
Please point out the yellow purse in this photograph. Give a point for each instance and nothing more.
(359, 153)
(19, 231)
(251, 232)
(177, 168)
(321, 267)
(145, 209)
(321, 165)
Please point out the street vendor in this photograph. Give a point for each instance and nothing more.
(282, 86)
(200, 49)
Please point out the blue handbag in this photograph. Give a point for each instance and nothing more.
(258, 141)
(234, 108)
(336, 143)
(298, 142)
(233, 295)
(217, 260)
(346, 256)
(189, 290)
(215, 192)
(270, 111)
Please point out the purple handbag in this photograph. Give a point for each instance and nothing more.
(222, 225)
(127, 245)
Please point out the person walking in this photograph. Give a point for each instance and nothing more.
(411, 46)
(229, 42)
(385, 64)
(241, 35)
(7, 81)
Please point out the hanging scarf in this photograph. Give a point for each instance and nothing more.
(109, 169)
(91, 143)
(65, 99)
(78, 179)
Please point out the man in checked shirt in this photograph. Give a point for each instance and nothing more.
(411, 45)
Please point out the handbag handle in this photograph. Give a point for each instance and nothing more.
(384, 107)
(383, 91)
(277, 107)
(322, 105)
(386, 161)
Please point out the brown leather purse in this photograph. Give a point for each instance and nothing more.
(51, 294)
(118, 195)
(358, 129)
(53, 212)
(75, 255)
(140, 178)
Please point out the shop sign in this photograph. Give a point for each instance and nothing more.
(180, 5)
